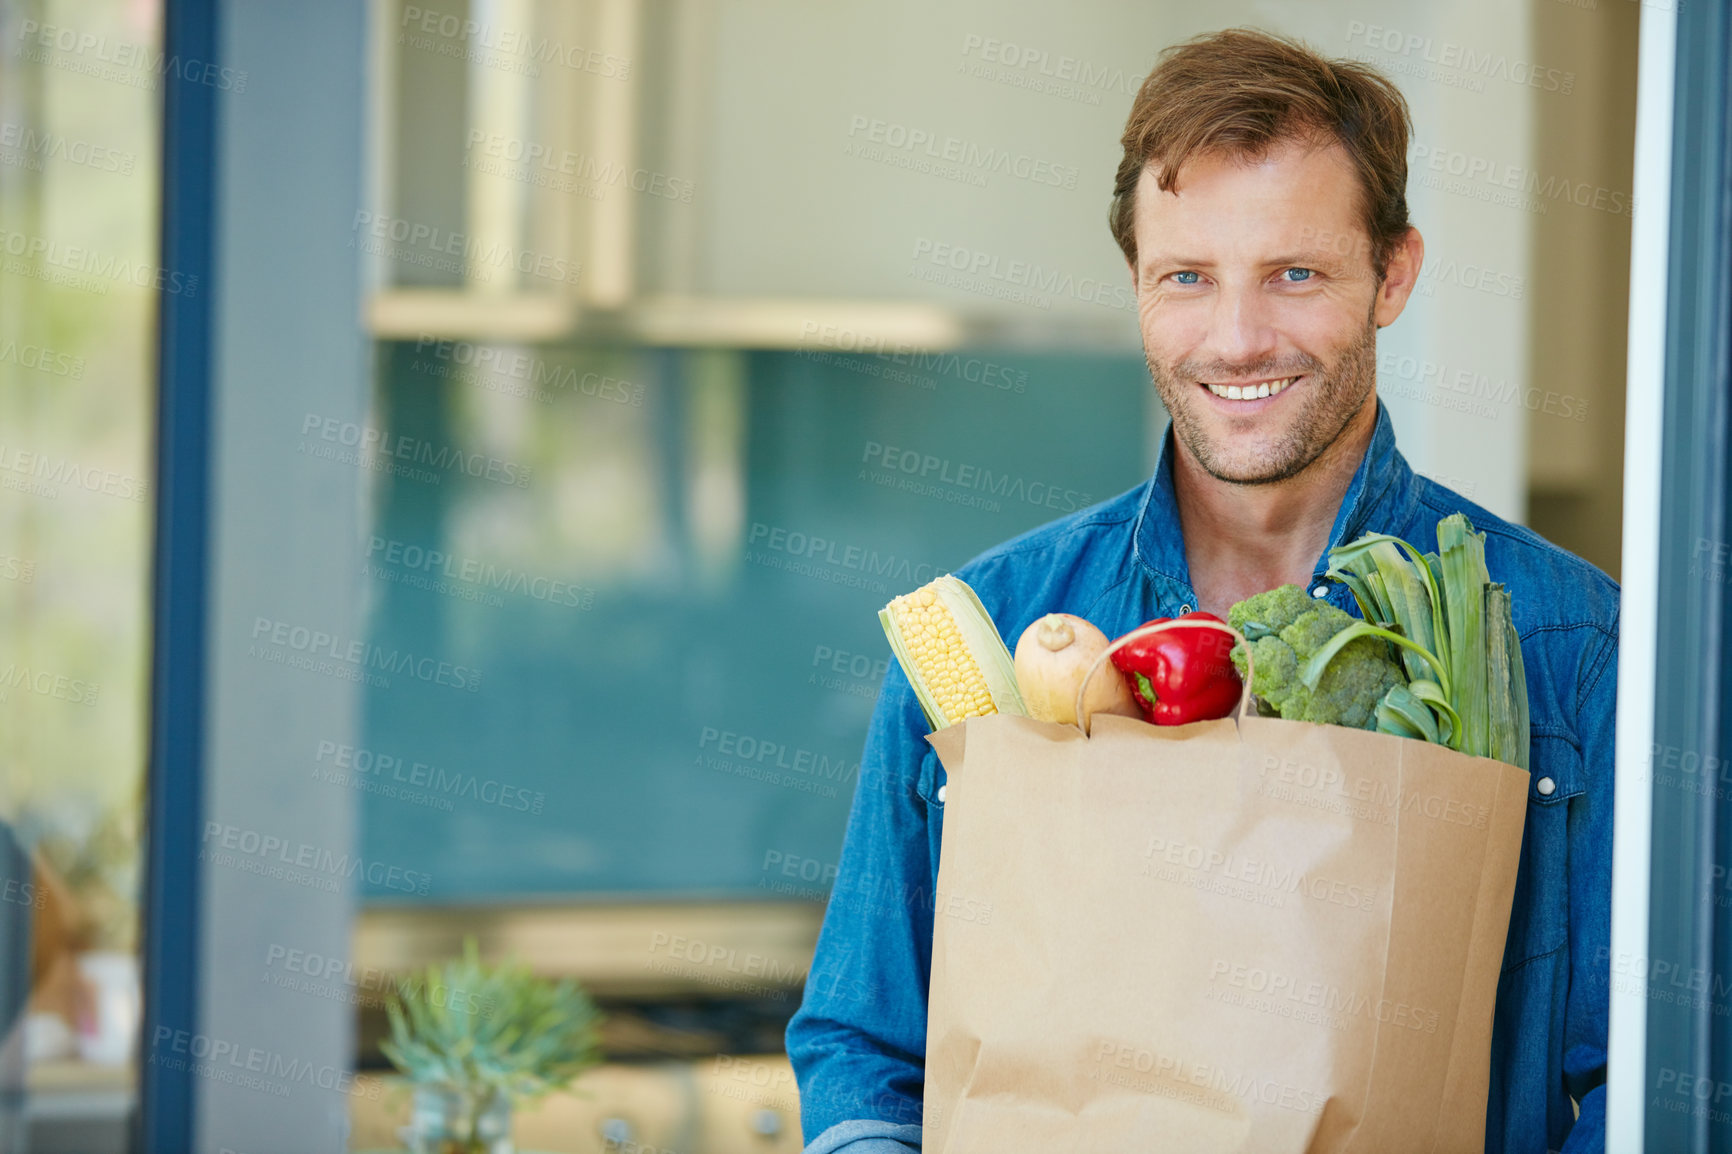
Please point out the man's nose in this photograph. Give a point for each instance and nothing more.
(1242, 329)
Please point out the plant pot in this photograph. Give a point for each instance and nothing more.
(449, 1120)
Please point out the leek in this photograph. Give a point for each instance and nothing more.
(1453, 628)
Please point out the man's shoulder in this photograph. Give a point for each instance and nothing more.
(1550, 587)
(1097, 535)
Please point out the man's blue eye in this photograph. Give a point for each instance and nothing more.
(1296, 275)
(1185, 277)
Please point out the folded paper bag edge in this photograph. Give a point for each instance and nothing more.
(948, 742)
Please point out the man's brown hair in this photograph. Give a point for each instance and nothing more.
(1240, 92)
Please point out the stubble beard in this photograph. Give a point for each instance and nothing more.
(1327, 401)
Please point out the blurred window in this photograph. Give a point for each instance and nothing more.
(79, 279)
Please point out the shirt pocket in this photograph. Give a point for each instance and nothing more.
(929, 787)
(1540, 914)
(929, 783)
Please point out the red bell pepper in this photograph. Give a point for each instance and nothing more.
(1182, 675)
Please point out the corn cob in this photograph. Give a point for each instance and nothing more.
(951, 652)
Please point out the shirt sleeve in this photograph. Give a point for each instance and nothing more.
(866, 1137)
(858, 1041)
(1587, 1007)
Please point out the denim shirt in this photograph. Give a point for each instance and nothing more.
(858, 1041)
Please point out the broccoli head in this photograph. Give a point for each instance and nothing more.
(1270, 612)
(1286, 628)
(1352, 685)
(1277, 683)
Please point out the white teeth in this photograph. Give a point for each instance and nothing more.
(1251, 392)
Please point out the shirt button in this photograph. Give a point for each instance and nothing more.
(1320, 591)
(1184, 609)
(1545, 785)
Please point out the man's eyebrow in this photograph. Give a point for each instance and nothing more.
(1163, 259)
(1305, 259)
(1323, 257)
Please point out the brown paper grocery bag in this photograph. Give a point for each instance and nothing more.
(1241, 935)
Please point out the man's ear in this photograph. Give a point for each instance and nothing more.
(1399, 278)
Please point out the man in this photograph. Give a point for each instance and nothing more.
(1261, 208)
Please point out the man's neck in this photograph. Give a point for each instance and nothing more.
(1243, 539)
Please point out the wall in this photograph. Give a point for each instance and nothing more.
(1579, 306)
(799, 198)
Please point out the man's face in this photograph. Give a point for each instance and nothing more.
(1259, 307)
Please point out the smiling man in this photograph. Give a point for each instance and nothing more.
(1262, 211)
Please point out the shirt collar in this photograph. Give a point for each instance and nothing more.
(1381, 490)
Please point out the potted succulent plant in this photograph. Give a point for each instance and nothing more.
(476, 1040)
